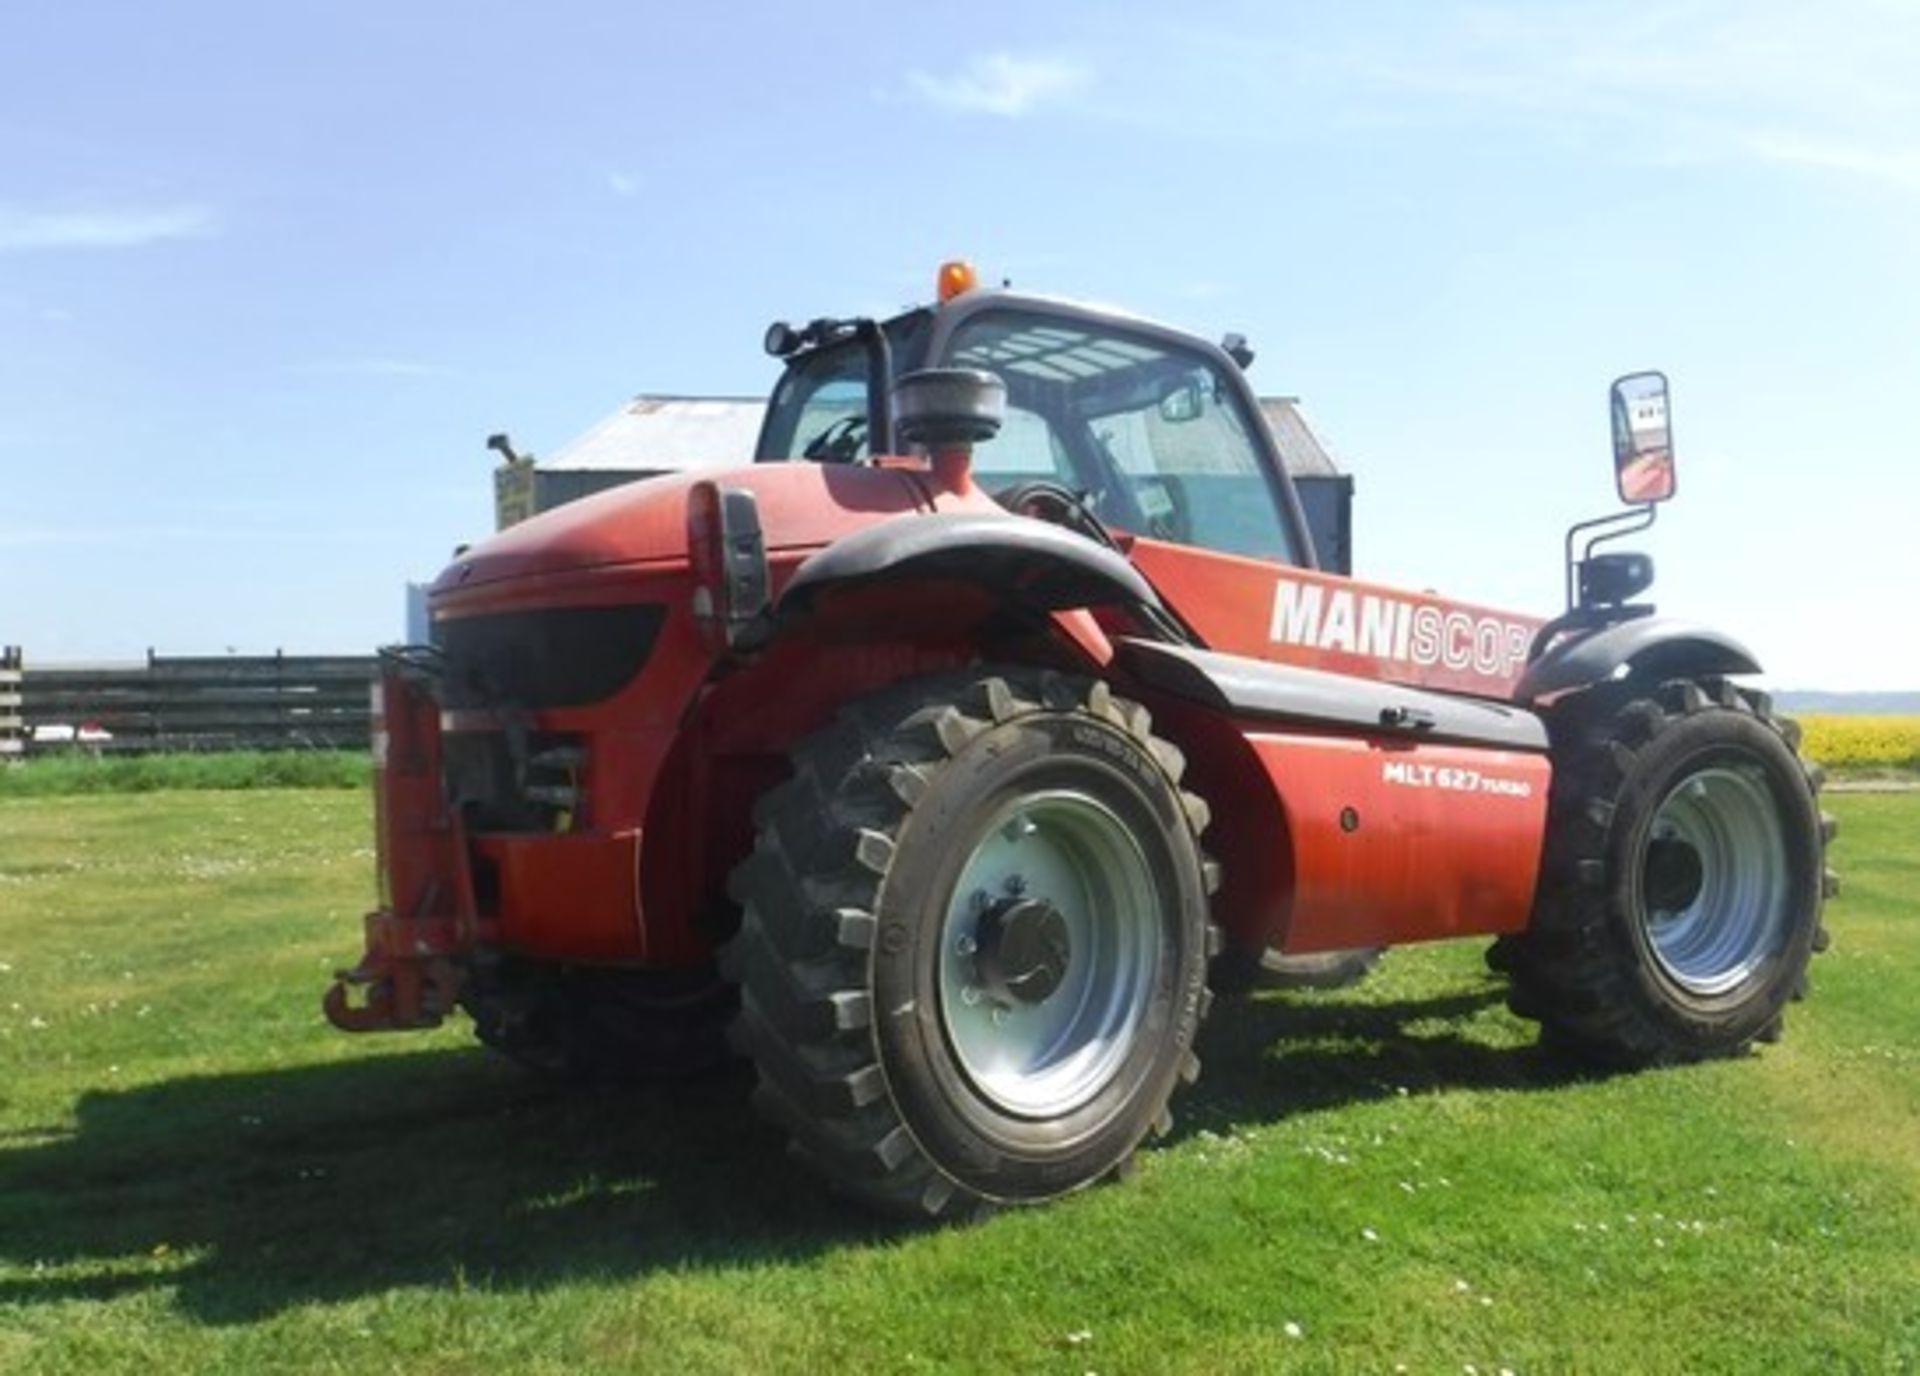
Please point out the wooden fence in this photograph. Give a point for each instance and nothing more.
(222, 702)
(13, 728)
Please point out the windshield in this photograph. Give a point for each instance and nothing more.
(819, 407)
(1153, 434)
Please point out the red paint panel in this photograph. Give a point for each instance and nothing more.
(418, 845)
(803, 506)
(1325, 621)
(566, 896)
(1395, 842)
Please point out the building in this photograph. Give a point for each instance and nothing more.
(664, 434)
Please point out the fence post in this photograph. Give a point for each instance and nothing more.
(156, 700)
(13, 728)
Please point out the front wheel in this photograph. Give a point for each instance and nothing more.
(974, 944)
(1682, 886)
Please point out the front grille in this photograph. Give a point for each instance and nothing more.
(554, 657)
(501, 781)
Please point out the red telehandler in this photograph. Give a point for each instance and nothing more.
(940, 759)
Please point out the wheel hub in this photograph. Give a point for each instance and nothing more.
(1674, 874)
(1022, 950)
(1049, 949)
(1714, 880)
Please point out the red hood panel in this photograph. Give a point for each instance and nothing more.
(802, 506)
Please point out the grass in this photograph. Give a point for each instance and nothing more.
(196, 1174)
(50, 776)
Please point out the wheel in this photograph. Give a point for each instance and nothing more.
(601, 1024)
(1681, 890)
(974, 941)
(1321, 970)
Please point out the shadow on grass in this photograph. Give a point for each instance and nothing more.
(1264, 1059)
(276, 1188)
(248, 1193)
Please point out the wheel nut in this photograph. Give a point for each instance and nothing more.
(970, 994)
(966, 946)
(999, 1015)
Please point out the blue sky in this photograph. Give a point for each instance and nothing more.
(269, 274)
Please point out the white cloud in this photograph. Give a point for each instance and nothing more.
(1896, 167)
(1000, 84)
(1827, 87)
(22, 231)
(623, 183)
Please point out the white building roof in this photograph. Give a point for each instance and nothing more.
(657, 433)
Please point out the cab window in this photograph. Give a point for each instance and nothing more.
(819, 406)
(1025, 449)
(1153, 435)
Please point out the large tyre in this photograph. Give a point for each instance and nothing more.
(597, 1024)
(1321, 970)
(974, 944)
(1682, 883)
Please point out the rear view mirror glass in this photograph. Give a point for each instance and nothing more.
(1642, 439)
(1181, 403)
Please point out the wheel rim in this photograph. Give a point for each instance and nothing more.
(1057, 873)
(1714, 879)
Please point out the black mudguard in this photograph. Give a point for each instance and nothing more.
(1240, 686)
(1043, 566)
(1651, 647)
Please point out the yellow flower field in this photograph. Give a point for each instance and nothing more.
(1851, 742)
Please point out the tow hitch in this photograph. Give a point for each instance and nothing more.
(415, 961)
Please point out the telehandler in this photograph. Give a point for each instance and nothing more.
(939, 759)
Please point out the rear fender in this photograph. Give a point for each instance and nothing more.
(1651, 647)
(733, 744)
(1014, 560)
(911, 595)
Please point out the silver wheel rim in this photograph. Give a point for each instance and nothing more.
(1042, 1059)
(1736, 918)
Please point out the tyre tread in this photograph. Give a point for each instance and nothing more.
(1564, 972)
(809, 893)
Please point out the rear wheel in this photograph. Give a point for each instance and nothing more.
(974, 941)
(1682, 885)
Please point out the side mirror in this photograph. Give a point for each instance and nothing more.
(1642, 439)
(1181, 403)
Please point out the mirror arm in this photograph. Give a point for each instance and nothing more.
(1613, 526)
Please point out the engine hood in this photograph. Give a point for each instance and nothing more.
(803, 506)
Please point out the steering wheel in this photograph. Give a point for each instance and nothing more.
(1058, 505)
(839, 443)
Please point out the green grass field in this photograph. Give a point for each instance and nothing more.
(52, 776)
(197, 1175)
